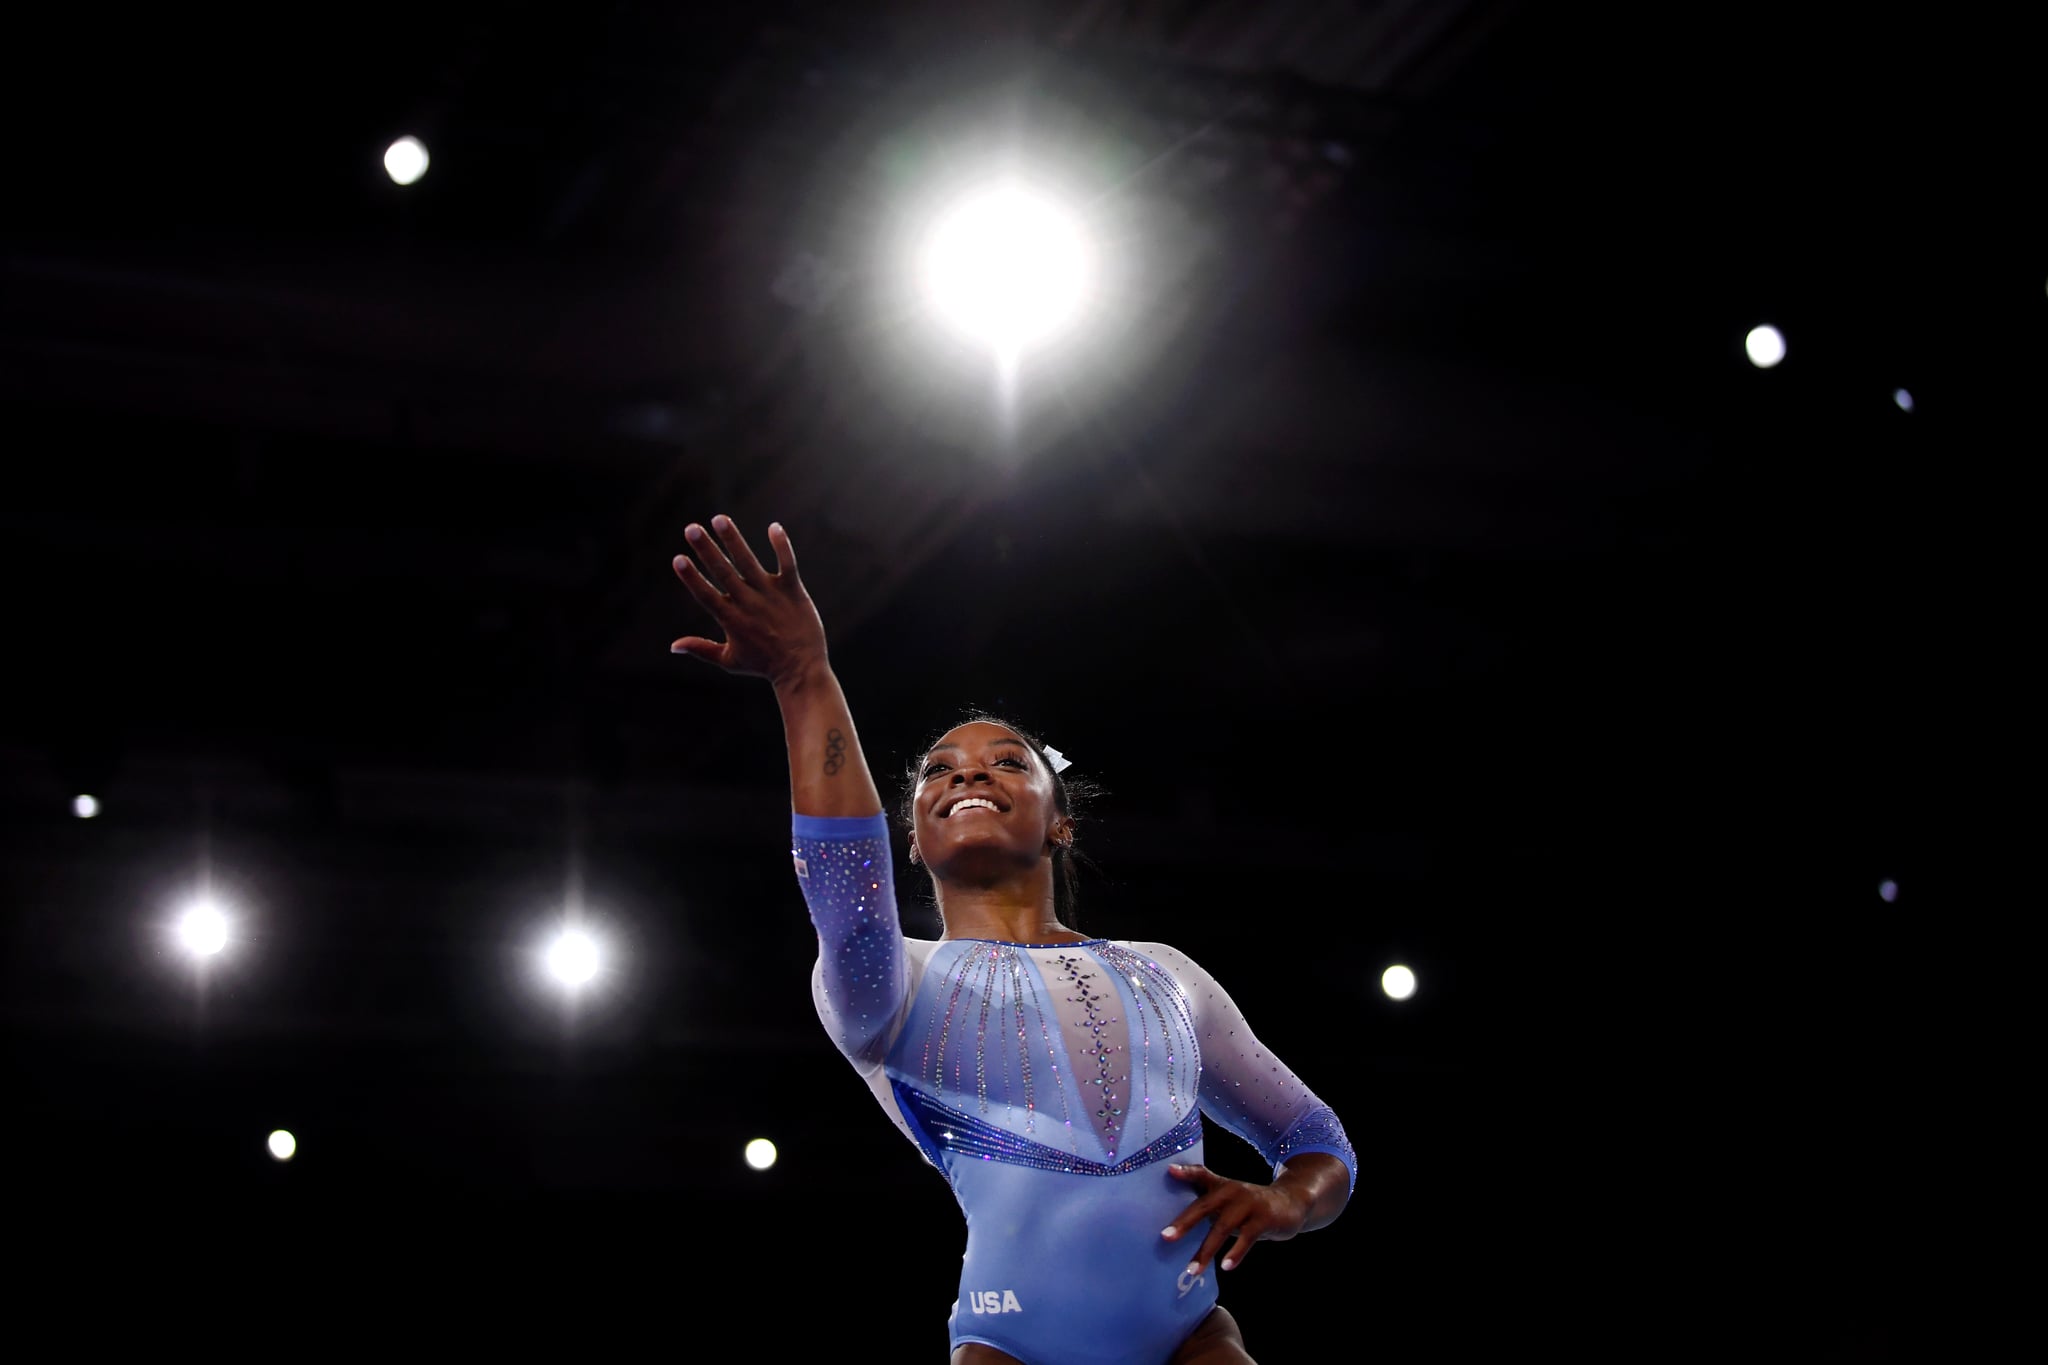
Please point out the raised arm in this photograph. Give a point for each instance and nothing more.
(828, 774)
(773, 631)
(839, 837)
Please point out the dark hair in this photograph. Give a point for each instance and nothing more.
(1070, 792)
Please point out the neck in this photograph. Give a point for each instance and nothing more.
(1019, 912)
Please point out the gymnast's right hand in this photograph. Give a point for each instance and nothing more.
(772, 628)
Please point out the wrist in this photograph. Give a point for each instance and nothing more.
(1319, 1182)
(1301, 1194)
(802, 676)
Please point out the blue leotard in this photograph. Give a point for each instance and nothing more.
(1051, 1084)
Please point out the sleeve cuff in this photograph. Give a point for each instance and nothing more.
(840, 826)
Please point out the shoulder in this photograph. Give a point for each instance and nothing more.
(1168, 959)
(1203, 991)
(1161, 953)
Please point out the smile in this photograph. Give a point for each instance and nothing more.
(970, 804)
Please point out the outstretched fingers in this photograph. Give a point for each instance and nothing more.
(771, 625)
(703, 589)
(701, 648)
(736, 547)
(719, 570)
(785, 553)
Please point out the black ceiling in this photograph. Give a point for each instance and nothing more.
(1419, 563)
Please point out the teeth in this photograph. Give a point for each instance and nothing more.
(971, 803)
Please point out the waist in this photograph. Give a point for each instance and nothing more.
(1121, 1213)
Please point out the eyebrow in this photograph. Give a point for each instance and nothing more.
(942, 748)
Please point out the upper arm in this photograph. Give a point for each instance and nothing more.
(862, 975)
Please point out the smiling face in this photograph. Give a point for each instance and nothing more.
(973, 768)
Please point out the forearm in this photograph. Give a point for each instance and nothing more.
(828, 774)
(1320, 1181)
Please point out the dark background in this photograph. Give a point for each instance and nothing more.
(1423, 570)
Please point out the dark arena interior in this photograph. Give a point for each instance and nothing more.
(1490, 504)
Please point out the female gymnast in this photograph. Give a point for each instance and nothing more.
(1057, 1081)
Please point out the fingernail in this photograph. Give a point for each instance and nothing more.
(1194, 1267)
(677, 649)
(694, 531)
(721, 521)
(1168, 1233)
(1227, 1263)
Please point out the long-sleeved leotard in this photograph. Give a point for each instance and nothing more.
(1051, 1084)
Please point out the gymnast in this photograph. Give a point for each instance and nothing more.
(1057, 1081)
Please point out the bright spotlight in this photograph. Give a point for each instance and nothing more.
(203, 929)
(760, 1154)
(1903, 399)
(1888, 890)
(573, 957)
(1398, 982)
(84, 807)
(282, 1145)
(1765, 345)
(405, 160)
(1007, 267)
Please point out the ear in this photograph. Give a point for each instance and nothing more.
(913, 850)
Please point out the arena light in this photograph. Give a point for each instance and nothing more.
(1904, 399)
(760, 1154)
(573, 958)
(1006, 266)
(1398, 982)
(405, 160)
(1765, 346)
(283, 1146)
(84, 806)
(203, 928)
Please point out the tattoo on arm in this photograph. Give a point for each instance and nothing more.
(835, 752)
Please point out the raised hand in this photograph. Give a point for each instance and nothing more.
(1250, 1213)
(772, 628)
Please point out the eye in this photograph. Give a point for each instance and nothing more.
(1022, 765)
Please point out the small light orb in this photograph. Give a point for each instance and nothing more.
(203, 929)
(282, 1145)
(1765, 345)
(1903, 399)
(405, 160)
(1398, 982)
(573, 957)
(84, 807)
(1887, 890)
(760, 1154)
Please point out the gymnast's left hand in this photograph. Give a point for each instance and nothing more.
(1235, 1208)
